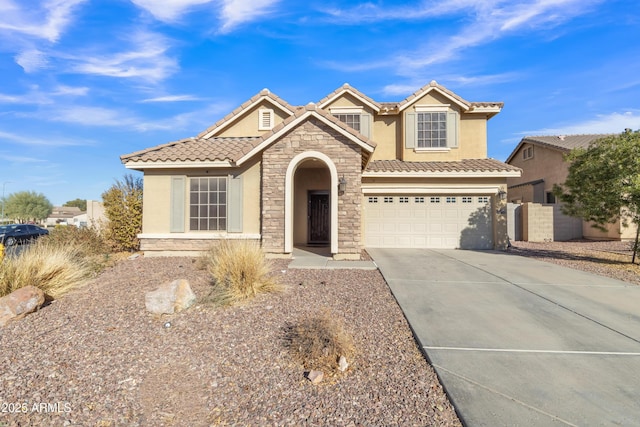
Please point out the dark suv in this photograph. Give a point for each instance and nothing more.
(19, 233)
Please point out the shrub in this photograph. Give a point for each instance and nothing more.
(52, 268)
(318, 340)
(239, 271)
(88, 239)
(123, 209)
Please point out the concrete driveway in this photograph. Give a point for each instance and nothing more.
(517, 341)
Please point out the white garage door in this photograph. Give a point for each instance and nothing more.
(442, 222)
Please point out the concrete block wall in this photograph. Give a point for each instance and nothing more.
(537, 222)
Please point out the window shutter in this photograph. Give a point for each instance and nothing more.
(365, 124)
(176, 220)
(452, 129)
(410, 130)
(234, 201)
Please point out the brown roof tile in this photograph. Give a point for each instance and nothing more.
(565, 142)
(196, 149)
(467, 165)
(424, 89)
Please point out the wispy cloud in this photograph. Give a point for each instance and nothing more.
(481, 21)
(23, 139)
(32, 60)
(168, 10)
(37, 96)
(236, 12)
(615, 122)
(193, 120)
(412, 85)
(146, 59)
(232, 13)
(20, 159)
(171, 98)
(90, 116)
(43, 20)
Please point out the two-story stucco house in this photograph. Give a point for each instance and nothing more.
(543, 165)
(347, 172)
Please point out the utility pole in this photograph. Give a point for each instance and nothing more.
(3, 201)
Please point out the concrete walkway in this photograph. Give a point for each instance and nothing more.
(517, 341)
(311, 257)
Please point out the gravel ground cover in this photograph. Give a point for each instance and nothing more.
(97, 358)
(606, 258)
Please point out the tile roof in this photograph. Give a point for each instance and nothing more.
(565, 142)
(196, 149)
(427, 88)
(467, 165)
(229, 149)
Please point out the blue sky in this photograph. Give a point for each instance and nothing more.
(83, 82)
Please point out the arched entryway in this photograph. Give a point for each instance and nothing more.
(311, 201)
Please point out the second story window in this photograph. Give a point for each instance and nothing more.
(432, 130)
(352, 120)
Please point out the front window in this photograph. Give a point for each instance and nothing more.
(352, 120)
(432, 130)
(208, 204)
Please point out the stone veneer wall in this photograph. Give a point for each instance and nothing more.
(312, 135)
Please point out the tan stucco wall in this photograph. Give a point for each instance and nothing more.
(547, 164)
(387, 131)
(247, 125)
(157, 197)
(306, 180)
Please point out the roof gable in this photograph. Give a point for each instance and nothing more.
(302, 114)
(347, 89)
(564, 143)
(263, 96)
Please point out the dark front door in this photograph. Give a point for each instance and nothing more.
(318, 217)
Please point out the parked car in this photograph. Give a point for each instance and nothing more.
(19, 233)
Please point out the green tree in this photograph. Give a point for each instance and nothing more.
(123, 209)
(27, 206)
(603, 185)
(78, 203)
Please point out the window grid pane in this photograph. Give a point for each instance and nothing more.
(432, 130)
(352, 120)
(207, 204)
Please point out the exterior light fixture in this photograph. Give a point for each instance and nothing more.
(502, 195)
(342, 185)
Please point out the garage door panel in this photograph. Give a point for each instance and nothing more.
(406, 223)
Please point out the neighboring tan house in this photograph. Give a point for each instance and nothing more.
(62, 215)
(348, 172)
(541, 159)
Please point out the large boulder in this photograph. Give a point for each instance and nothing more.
(19, 303)
(170, 298)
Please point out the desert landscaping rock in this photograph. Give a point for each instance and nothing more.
(170, 298)
(98, 351)
(19, 303)
(343, 364)
(315, 377)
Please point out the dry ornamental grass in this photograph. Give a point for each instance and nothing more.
(239, 271)
(318, 340)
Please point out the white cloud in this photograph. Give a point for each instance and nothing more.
(603, 123)
(62, 90)
(168, 10)
(236, 12)
(147, 59)
(32, 60)
(404, 89)
(24, 139)
(171, 98)
(232, 13)
(20, 159)
(90, 116)
(43, 20)
(198, 119)
(482, 21)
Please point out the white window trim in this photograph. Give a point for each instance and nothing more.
(346, 110)
(432, 149)
(261, 114)
(432, 108)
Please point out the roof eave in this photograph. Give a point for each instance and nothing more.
(139, 165)
(444, 174)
